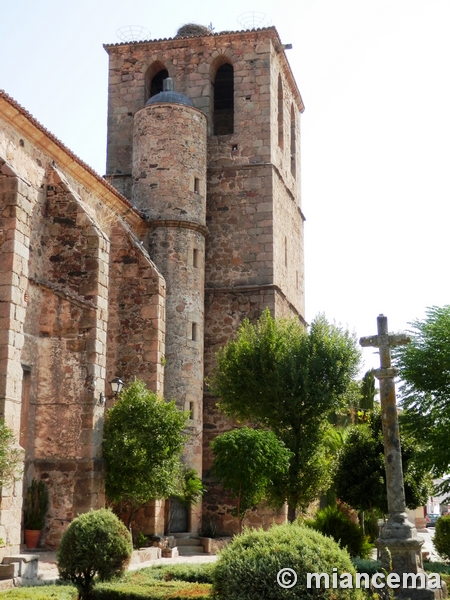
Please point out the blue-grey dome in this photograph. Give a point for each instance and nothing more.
(169, 95)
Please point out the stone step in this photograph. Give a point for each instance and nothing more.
(9, 571)
(28, 564)
(188, 542)
(190, 550)
(182, 535)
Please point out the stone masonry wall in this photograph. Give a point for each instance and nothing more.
(239, 249)
(136, 325)
(288, 247)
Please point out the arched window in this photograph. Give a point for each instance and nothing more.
(280, 113)
(156, 84)
(224, 100)
(154, 77)
(293, 143)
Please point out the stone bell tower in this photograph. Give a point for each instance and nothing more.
(215, 165)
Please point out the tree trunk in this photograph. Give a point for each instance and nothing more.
(291, 513)
(239, 510)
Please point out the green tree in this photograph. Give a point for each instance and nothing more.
(368, 391)
(248, 462)
(190, 490)
(360, 477)
(143, 439)
(289, 380)
(424, 368)
(11, 456)
(441, 539)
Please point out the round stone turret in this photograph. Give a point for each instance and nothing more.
(169, 158)
(169, 185)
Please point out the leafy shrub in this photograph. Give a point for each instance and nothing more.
(11, 456)
(442, 537)
(247, 568)
(331, 521)
(157, 590)
(367, 566)
(95, 543)
(141, 541)
(436, 567)
(191, 573)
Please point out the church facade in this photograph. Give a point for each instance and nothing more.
(146, 272)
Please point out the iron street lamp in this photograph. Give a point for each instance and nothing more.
(116, 386)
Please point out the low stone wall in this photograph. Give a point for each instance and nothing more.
(213, 545)
(145, 554)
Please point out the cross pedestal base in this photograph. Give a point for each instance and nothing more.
(399, 547)
(401, 552)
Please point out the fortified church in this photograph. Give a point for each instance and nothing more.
(148, 271)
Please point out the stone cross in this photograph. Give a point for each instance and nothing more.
(400, 547)
(392, 450)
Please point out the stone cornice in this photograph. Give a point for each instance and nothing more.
(184, 39)
(175, 223)
(252, 288)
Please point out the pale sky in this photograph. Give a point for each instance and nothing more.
(374, 76)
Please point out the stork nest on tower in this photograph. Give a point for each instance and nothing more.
(192, 29)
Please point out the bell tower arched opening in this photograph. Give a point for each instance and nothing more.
(224, 100)
(154, 78)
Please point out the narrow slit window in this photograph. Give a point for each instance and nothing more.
(293, 143)
(195, 258)
(196, 185)
(191, 410)
(224, 100)
(296, 278)
(285, 252)
(280, 113)
(194, 331)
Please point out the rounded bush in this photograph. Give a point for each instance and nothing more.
(442, 537)
(247, 569)
(331, 521)
(96, 543)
